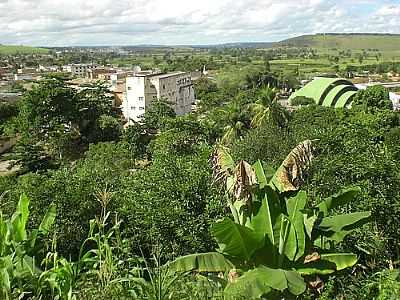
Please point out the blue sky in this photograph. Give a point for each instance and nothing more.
(130, 22)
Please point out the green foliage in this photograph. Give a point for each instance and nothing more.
(19, 271)
(374, 97)
(7, 112)
(266, 107)
(300, 100)
(59, 120)
(137, 138)
(275, 237)
(155, 117)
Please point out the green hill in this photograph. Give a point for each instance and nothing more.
(382, 42)
(10, 49)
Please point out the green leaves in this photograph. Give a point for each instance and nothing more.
(20, 218)
(337, 227)
(328, 264)
(339, 199)
(294, 207)
(203, 262)
(264, 218)
(262, 280)
(236, 240)
(48, 220)
(341, 260)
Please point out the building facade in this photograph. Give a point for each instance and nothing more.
(143, 88)
(79, 70)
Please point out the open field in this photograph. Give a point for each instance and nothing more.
(383, 42)
(10, 50)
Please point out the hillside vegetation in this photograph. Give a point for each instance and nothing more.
(383, 42)
(11, 49)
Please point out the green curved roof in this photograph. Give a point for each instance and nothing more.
(319, 88)
(345, 99)
(336, 93)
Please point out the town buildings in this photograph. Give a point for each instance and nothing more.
(145, 87)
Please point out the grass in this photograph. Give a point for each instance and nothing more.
(383, 42)
(12, 50)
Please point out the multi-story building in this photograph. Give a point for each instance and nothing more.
(79, 70)
(143, 88)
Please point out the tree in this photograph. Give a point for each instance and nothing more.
(159, 111)
(374, 97)
(235, 120)
(93, 106)
(46, 114)
(267, 108)
(60, 120)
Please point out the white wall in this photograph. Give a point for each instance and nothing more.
(134, 105)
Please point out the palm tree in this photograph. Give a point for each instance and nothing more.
(236, 119)
(267, 108)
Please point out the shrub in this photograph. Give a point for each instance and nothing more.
(300, 100)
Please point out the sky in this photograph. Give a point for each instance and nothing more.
(187, 22)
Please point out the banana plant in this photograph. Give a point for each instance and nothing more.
(276, 237)
(18, 246)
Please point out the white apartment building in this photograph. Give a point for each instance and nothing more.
(79, 70)
(145, 87)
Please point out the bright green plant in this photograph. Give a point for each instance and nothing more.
(19, 271)
(276, 237)
(266, 108)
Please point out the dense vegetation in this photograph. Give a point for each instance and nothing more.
(177, 207)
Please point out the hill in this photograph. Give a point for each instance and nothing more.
(383, 42)
(11, 49)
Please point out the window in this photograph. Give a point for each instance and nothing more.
(141, 98)
(163, 86)
(129, 88)
(133, 107)
(141, 108)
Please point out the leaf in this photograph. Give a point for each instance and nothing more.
(260, 174)
(338, 199)
(312, 257)
(295, 282)
(223, 163)
(341, 260)
(294, 207)
(316, 268)
(338, 227)
(48, 220)
(245, 178)
(236, 240)
(328, 264)
(260, 281)
(287, 239)
(203, 262)
(291, 174)
(309, 224)
(264, 219)
(20, 218)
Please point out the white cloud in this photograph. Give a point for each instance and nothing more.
(104, 22)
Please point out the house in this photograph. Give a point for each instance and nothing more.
(145, 87)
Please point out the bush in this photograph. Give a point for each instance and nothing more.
(300, 100)
(373, 97)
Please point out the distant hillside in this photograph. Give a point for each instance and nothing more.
(9, 49)
(383, 42)
(239, 45)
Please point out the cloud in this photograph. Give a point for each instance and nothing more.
(108, 22)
